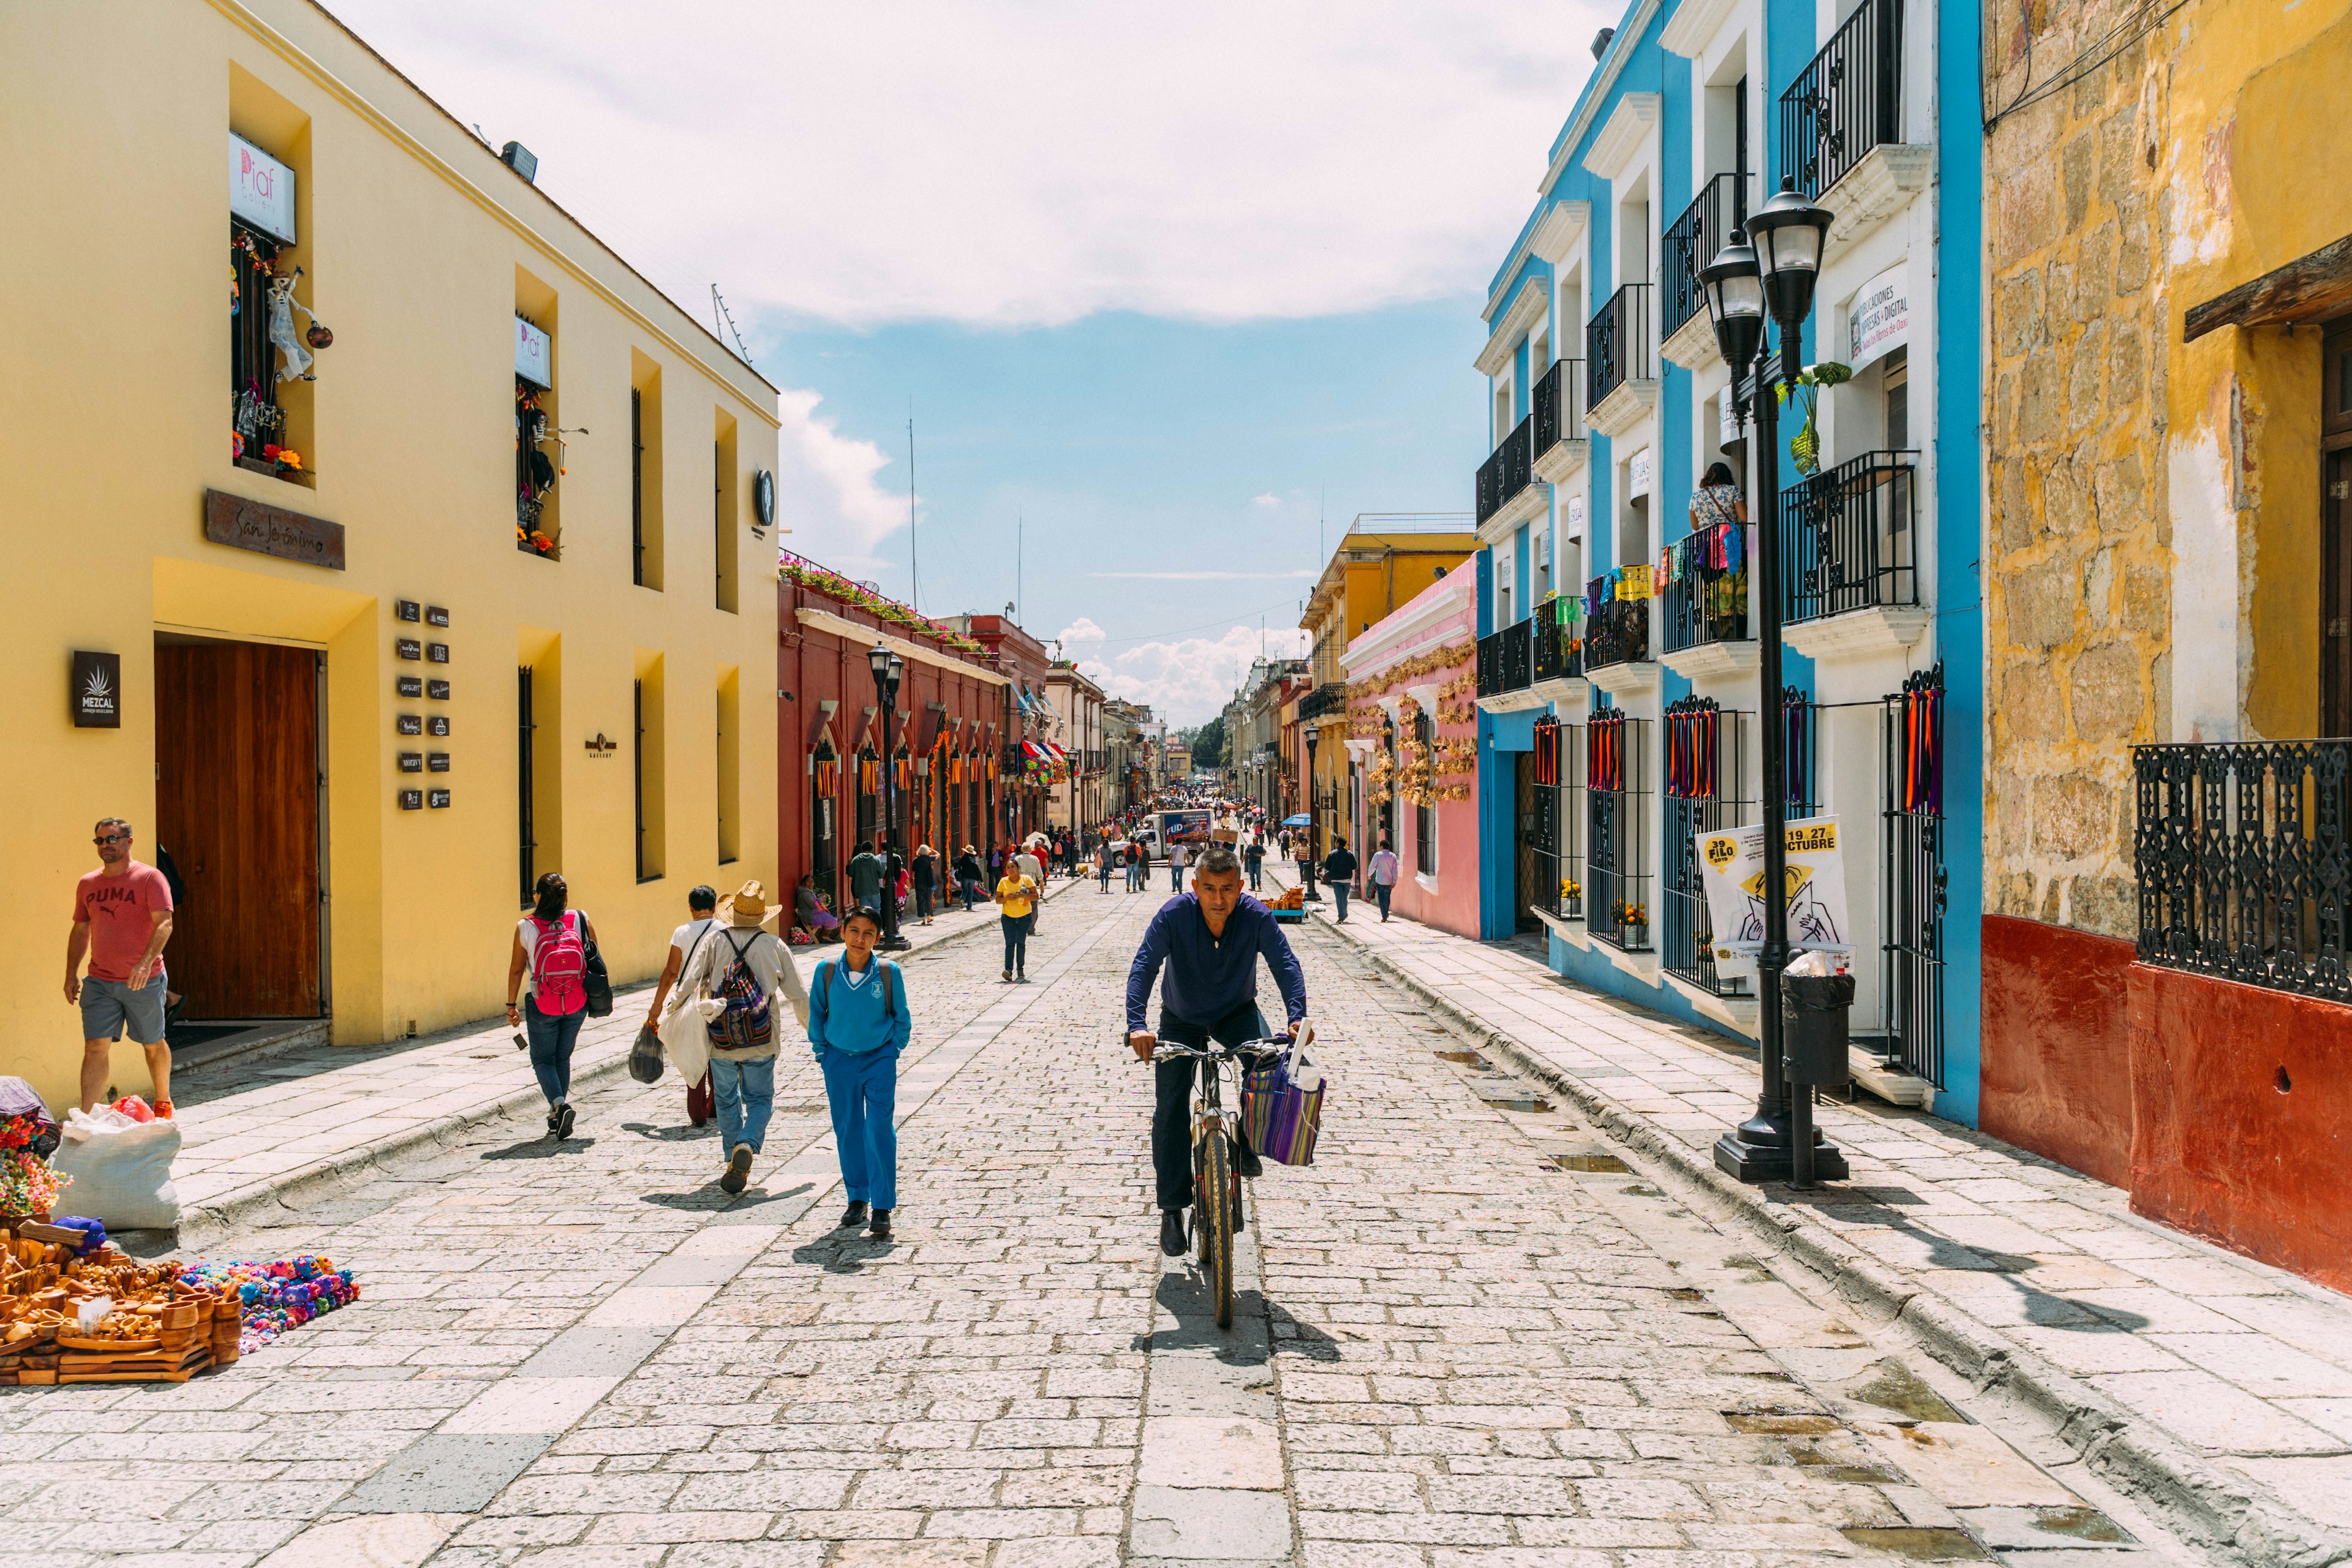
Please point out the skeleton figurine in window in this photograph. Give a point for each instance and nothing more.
(283, 306)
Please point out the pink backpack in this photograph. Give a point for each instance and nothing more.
(559, 965)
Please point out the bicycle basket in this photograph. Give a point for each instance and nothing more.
(1280, 1119)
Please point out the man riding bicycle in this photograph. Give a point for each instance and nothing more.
(1210, 940)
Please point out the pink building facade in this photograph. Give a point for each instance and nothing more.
(1413, 751)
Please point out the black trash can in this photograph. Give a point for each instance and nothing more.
(1813, 1009)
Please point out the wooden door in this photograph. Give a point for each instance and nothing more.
(237, 801)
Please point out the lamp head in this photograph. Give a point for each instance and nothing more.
(1789, 232)
(897, 668)
(1733, 287)
(878, 659)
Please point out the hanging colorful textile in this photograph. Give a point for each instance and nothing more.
(1604, 742)
(1547, 751)
(1692, 735)
(1921, 713)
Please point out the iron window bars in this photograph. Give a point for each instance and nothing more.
(1849, 539)
(1617, 344)
(1559, 651)
(1848, 101)
(1556, 835)
(254, 411)
(1331, 697)
(637, 488)
(1617, 899)
(2243, 865)
(1912, 878)
(526, 830)
(1505, 660)
(1706, 770)
(1559, 405)
(1508, 470)
(1704, 229)
(1619, 633)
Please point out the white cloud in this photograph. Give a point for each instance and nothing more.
(1268, 499)
(1081, 630)
(1188, 679)
(1021, 164)
(827, 493)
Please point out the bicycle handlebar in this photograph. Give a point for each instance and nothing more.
(1168, 1051)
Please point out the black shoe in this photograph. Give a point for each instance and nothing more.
(853, 1216)
(880, 1229)
(562, 1122)
(739, 1170)
(1247, 1162)
(1171, 1232)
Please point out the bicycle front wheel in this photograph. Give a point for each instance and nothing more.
(1213, 1207)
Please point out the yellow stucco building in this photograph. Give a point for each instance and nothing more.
(295, 629)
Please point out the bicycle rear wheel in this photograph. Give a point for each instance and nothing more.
(1212, 1208)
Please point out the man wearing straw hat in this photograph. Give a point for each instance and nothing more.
(739, 981)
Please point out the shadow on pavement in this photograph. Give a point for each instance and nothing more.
(539, 1148)
(670, 1134)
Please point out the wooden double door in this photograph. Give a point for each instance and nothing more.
(239, 790)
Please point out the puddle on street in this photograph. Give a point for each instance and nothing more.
(1920, 1545)
(2079, 1524)
(1897, 1388)
(1465, 1059)
(1768, 1424)
(1608, 1164)
(1520, 1103)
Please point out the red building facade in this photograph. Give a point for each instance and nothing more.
(1027, 765)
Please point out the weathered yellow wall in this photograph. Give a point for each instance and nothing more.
(2153, 535)
(113, 422)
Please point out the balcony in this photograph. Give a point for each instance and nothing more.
(1558, 656)
(2243, 865)
(1703, 614)
(1620, 383)
(1560, 443)
(1506, 495)
(1506, 670)
(1849, 543)
(1704, 229)
(1331, 697)
(1842, 126)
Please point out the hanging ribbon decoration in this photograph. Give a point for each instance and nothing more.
(1693, 733)
(1605, 749)
(1923, 743)
(1797, 746)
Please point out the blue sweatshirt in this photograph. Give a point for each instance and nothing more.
(1210, 976)
(866, 1016)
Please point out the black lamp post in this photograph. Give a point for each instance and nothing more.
(888, 670)
(1314, 825)
(1778, 272)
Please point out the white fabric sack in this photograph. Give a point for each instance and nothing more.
(684, 1035)
(122, 1170)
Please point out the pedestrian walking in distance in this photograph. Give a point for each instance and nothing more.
(551, 954)
(1384, 875)
(1028, 864)
(1177, 858)
(1254, 858)
(701, 907)
(858, 1022)
(1340, 872)
(1102, 867)
(927, 881)
(866, 869)
(1016, 908)
(968, 875)
(121, 919)
(748, 971)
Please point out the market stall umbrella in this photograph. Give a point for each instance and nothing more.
(1301, 820)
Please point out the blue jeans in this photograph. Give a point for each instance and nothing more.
(552, 1037)
(1381, 891)
(1339, 897)
(1176, 877)
(1257, 868)
(745, 1094)
(1171, 1104)
(1106, 876)
(861, 1088)
(1016, 940)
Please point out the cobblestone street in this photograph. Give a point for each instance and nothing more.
(1474, 1339)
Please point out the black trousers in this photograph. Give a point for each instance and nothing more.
(1172, 1109)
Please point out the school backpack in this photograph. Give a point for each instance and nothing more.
(559, 964)
(889, 984)
(748, 1024)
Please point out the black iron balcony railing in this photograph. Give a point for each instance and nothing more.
(1617, 890)
(1619, 633)
(1704, 229)
(1505, 661)
(1559, 405)
(2245, 868)
(1617, 344)
(1508, 471)
(1847, 101)
(1703, 606)
(1559, 642)
(1706, 776)
(1849, 537)
(1331, 697)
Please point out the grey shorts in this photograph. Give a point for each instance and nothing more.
(110, 1009)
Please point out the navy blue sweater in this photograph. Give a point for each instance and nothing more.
(1209, 976)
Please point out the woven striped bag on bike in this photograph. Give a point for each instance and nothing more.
(1280, 1119)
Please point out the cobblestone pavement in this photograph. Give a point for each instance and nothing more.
(2242, 1370)
(1472, 1340)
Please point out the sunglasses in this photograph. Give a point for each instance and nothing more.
(111, 838)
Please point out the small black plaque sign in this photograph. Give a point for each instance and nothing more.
(437, 725)
(405, 609)
(437, 762)
(438, 799)
(436, 616)
(410, 724)
(412, 800)
(95, 689)
(244, 524)
(412, 761)
(437, 690)
(436, 653)
(408, 647)
(409, 685)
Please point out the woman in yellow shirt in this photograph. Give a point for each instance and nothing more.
(1016, 908)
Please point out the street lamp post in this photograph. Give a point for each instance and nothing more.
(1314, 825)
(1778, 272)
(888, 670)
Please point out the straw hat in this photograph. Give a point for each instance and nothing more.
(749, 906)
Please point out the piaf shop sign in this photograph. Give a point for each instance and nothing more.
(244, 524)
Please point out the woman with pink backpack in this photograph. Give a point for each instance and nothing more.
(552, 947)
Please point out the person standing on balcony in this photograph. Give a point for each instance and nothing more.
(1721, 587)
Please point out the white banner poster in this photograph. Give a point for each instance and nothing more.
(1880, 318)
(1575, 517)
(1732, 867)
(1637, 470)
(260, 190)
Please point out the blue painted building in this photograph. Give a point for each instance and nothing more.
(1618, 664)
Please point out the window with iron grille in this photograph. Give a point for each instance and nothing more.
(637, 773)
(526, 731)
(1557, 833)
(1617, 895)
(1705, 767)
(1911, 880)
(255, 416)
(1425, 815)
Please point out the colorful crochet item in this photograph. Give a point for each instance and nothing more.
(278, 1296)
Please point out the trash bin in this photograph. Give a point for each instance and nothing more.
(1813, 1010)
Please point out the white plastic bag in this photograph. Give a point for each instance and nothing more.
(684, 1037)
(121, 1169)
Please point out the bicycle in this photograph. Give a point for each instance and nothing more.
(1216, 1191)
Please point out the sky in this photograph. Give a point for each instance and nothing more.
(1170, 294)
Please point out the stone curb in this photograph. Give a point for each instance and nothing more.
(216, 1216)
(2229, 1514)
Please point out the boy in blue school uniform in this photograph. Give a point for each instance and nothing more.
(857, 1023)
